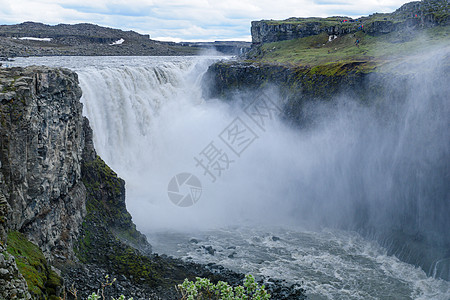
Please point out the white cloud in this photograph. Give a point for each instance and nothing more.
(183, 20)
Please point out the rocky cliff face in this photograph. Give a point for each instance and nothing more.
(41, 192)
(268, 32)
(41, 142)
(419, 14)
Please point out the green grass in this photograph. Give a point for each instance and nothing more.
(30, 261)
(330, 21)
(42, 282)
(317, 50)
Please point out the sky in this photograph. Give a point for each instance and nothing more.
(177, 20)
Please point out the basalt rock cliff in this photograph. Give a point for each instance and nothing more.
(42, 144)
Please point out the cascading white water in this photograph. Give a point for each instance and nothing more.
(148, 124)
(149, 121)
(123, 105)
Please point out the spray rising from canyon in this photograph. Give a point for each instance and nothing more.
(375, 167)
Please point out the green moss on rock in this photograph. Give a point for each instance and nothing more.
(43, 283)
(106, 201)
(109, 238)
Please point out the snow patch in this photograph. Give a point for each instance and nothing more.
(118, 42)
(35, 39)
(332, 37)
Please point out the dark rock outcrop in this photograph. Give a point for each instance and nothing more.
(41, 147)
(296, 85)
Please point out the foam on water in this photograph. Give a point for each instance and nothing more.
(329, 264)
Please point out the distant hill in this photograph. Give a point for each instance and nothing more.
(69, 34)
(37, 39)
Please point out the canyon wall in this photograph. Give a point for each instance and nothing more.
(410, 16)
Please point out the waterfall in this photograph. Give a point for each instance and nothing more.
(381, 169)
(148, 123)
(122, 104)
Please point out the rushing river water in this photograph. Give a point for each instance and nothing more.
(265, 213)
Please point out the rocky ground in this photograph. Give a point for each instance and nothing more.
(12, 283)
(83, 279)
